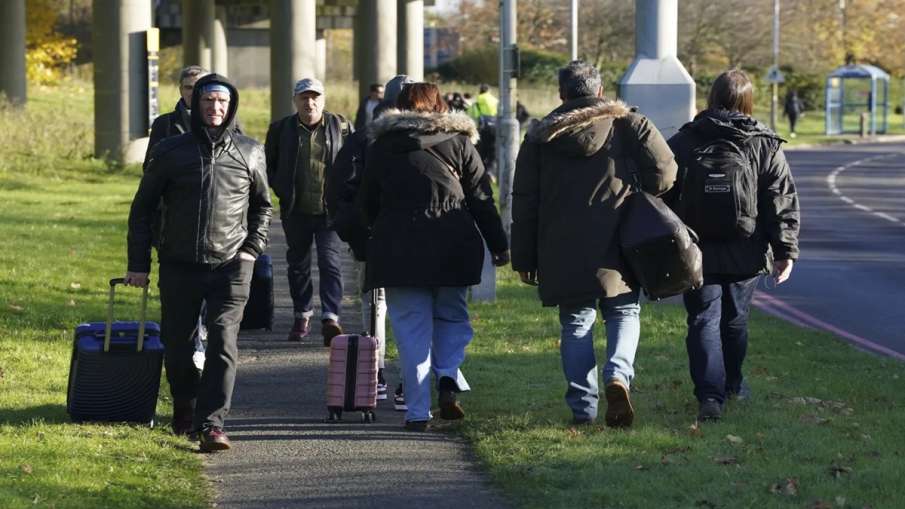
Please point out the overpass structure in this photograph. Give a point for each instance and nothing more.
(388, 39)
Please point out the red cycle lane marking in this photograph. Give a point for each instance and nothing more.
(780, 309)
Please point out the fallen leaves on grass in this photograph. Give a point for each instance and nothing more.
(25, 468)
(726, 460)
(74, 285)
(17, 308)
(695, 430)
(787, 487)
(734, 440)
(813, 419)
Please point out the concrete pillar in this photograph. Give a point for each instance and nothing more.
(292, 50)
(120, 78)
(197, 32)
(12, 50)
(410, 38)
(219, 47)
(656, 82)
(381, 46)
(360, 38)
(320, 51)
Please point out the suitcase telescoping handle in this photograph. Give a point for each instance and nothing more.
(374, 300)
(141, 319)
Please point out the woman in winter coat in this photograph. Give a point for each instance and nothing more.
(428, 202)
(764, 240)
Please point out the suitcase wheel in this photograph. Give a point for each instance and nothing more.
(368, 416)
(334, 416)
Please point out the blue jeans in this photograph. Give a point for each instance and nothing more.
(579, 364)
(301, 231)
(432, 329)
(717, 338)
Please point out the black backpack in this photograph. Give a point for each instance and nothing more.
(718, 199)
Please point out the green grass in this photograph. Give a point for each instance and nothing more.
(63, 219)
(825, 423)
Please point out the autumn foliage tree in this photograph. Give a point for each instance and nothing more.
(47, 51)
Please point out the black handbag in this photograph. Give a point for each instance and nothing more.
(660, 250)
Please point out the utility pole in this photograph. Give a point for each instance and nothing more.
(775, 84)
(507, 125)
(574, 32)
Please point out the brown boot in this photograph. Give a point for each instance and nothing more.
(300, 329)
(619, 411)
(214, 439)
(330, 329)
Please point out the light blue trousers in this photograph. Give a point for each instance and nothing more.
(431, 328)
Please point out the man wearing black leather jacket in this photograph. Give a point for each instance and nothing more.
(213, 183)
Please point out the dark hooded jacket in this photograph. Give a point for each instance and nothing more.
(573, 172)
(213, 185)
(422, 194)
(345, 179)
(778, 219)
(282, 147)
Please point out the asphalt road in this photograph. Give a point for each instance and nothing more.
(850, 279)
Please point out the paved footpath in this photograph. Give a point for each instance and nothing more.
(284, 455)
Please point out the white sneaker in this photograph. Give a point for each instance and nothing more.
(381, 391)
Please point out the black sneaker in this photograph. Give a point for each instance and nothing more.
(399, 400)
(416, 426)
(381, 385)
(710, 410)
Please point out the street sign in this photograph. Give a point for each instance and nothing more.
(774, 75)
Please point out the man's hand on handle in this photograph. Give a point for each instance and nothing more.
(782, 269)
(139, 279)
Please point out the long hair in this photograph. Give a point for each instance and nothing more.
(732, 91)
(423, 97)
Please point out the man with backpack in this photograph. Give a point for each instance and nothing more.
(574, 171)
(735, 189)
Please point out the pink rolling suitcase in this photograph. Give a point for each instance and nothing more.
(352, 373)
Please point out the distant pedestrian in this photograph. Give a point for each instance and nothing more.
(573, 173)
(301, 149)
(218, 179)
(365, 113)
(342, 187)
(484, 112)
(737, 192)
(428, 202)
(792, 109)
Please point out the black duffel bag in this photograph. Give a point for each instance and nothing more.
(660, 250)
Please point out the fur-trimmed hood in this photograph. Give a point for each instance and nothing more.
(579, 126)
(428, 128)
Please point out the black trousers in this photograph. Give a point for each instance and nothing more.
(225, 288)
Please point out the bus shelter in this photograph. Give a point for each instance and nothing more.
(853, 90)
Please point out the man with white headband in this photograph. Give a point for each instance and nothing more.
(213, 185)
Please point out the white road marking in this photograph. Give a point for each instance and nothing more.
(831, 183)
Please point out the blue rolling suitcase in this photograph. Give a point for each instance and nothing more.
(114, 375)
